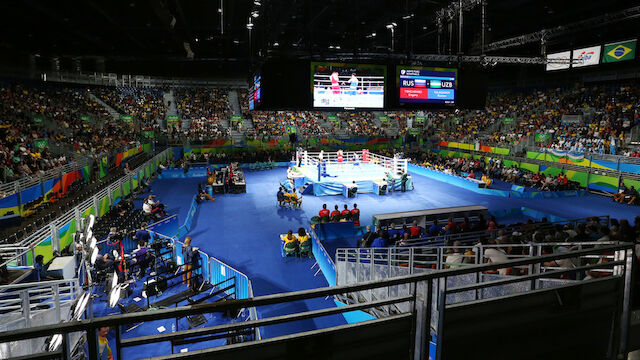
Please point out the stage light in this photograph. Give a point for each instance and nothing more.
(92, 220)
(93, 242)
(255, 14)
(115, 295)
(81, 305)
(94, 256)
(249, 26)
(114, 280)
(54, 342)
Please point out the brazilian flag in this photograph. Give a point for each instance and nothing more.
(620, 51)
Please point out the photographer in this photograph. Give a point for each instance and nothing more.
(188, 253)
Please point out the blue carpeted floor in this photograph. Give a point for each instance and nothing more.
(243, 230)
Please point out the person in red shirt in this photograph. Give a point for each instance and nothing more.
(335, 214)
(324, 213)
(346, 213)
(415, 231)
(452, 225)
(355, 215)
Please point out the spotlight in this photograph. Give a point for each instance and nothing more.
(249, 26)
(92, 220)
(114, 296)
(81, 305)
(54, 342)
(94, 256)
(255, 14)
(93, 242)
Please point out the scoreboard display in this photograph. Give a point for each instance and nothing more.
(255, 92)
(427, 85)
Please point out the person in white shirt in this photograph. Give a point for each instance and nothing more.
(495, 255)
(457, 257)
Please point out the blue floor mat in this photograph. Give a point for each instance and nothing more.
(243, 230)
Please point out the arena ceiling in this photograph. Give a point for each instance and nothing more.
(158, 29)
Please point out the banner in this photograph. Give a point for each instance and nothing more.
(148, 134)
(543, 137)
(41, 143)
(126, 118)
(507, 120)
(384, 119)
(85, 118)
(419, 120)
(292, 129)
(414, 131)
(333, 119)
(38, 119)
(236, 118)
(620, 51)
(173, 119)
(562, 58)
(588, 56)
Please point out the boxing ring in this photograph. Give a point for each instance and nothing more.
(334, 172)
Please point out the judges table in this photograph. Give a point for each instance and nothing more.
(64, 266)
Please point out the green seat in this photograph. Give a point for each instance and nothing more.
(291, 248)
(305, 248)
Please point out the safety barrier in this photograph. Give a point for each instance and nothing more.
(476, 236)
(592, 174)
(212, 270)
(416, 301)
(58, 234)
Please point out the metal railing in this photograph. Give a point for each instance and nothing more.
(475, 236)
(422, 297)
(17, 252)
(25, 182)
(564, 166)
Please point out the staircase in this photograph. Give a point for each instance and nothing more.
(115, 115)
(234, 101)
(247, 125)
(237, 137)
(170, 105)
(186, 124)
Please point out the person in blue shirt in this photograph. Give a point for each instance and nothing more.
(380, 240)
(143, 236)
(435, 229)
(41, 270)
(394, 234)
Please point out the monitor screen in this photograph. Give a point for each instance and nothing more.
(255, 92)
(427, 85)
(340, 85)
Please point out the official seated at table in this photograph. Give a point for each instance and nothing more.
(41, 272)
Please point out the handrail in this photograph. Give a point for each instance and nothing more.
(47, 231)
(489, 233)
(122, 319)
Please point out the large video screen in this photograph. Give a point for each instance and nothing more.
(255, 92)
(339, 85)
(427, 85)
